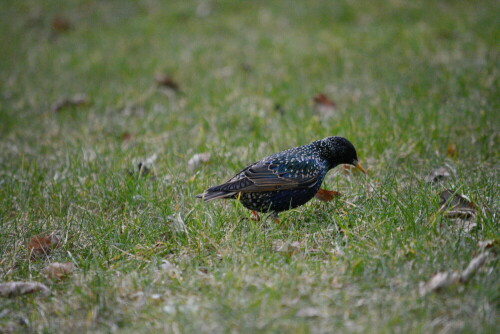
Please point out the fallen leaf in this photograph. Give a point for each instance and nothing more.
(61, 24)
(167, 81)
(58, 270)
(198, 159)
(438, 174)
(443, 280)
(327, 195)
(77, 100)
(14, 289)
(456, 206)
(323, 100)
(43, 244)
(323, 105)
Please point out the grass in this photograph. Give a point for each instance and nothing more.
(410, 80)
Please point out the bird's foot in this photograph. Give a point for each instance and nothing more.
(327, 195)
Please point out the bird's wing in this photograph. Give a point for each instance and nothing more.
(273, 175)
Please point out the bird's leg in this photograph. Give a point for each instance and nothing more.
(327, 195)
(255, 216)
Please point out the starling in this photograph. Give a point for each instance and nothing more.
(287, 179)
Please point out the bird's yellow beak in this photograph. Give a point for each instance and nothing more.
(358, 166)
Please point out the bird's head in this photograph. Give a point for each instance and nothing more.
(337, 151)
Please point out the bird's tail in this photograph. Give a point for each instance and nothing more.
(211, 195)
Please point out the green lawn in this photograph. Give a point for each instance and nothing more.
(416, 86)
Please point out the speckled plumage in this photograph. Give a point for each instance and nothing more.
(287, 179)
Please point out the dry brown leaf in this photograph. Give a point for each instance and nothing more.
(14, 289)
(327, 195)
(58, 270)
(77, 100)
(43, 244)
(437, 175)
(323, 105)
(322, 100)
(456, 206)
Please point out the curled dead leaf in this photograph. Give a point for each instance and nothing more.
(58, 270)
(456, 205)
(43, 244)
(14, 289)
(77, 100)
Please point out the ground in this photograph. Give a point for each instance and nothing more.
(415, 86)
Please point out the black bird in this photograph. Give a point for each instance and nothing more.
(287, 179)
